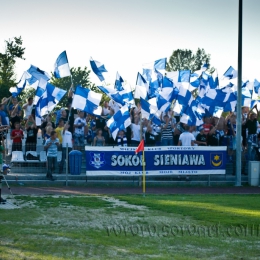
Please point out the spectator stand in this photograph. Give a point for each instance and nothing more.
(26, 160)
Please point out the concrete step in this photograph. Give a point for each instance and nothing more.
(40, 178)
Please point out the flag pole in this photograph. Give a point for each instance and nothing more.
(71, 90)
(143, 174)
(239, 84)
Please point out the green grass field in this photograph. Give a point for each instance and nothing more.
(132, 227)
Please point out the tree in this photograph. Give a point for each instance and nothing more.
(13, 50)
(186, 60)
(25, 94)
(80, 77)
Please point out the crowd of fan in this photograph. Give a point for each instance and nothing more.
(75, 129)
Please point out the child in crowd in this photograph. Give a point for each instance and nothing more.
(17, 136)
(31, 140)
(99, 139)
(66, 141)
(121, 138)
(47, 134)
(150, 137)
(59, 129)
(51, 146)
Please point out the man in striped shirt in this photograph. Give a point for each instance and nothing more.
(121, 138)
(167, 126)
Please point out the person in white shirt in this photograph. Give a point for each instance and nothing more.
(135, 138)
(113, 105)
(66, 141)
(105, 109)
(27, 108)
(186, 138)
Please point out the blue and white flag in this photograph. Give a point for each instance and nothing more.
(257, 87)
(118, 82)
(155, 111)
(203, 86)
(38, 73)
(183, 100)
(119, 121)
(107, 90)
(230, 102)
(231, 73)
(122, 97)
(167, 83)
(147, 74)
(180, 78)
(153, 74)
(218, 111)
(246, 95)
(219, 99)
(145, 108)
(163, 104)
(35, 75)
(255, 103)
(141, 88)
(195, 77)
(213, 80)
(193, 116)
(127, 95)
(226, 99)
(30, 78)
(61, 66)
(158, 65)
(113, 94)
(87, 100)
(38, 117)
(15, 91)
(209, 101)
(184, 96)
(166, 95)
(98, 68)
(40, 90)
(204, 67)
(149, 108)
(168, 91)
(155, 84)
(48, 100)
(194, 80)
(20, 85)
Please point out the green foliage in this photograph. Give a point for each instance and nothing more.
(13, 50)
(26, 93)
(187, 60)
(80, 77)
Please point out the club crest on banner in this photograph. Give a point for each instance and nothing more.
(97, 160)
(216, 159)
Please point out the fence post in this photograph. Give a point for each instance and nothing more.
(67, 163)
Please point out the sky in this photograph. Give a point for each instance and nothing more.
(126, 34)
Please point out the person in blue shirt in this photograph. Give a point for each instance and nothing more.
(3, 115)
(51, 146)
(15, 104)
